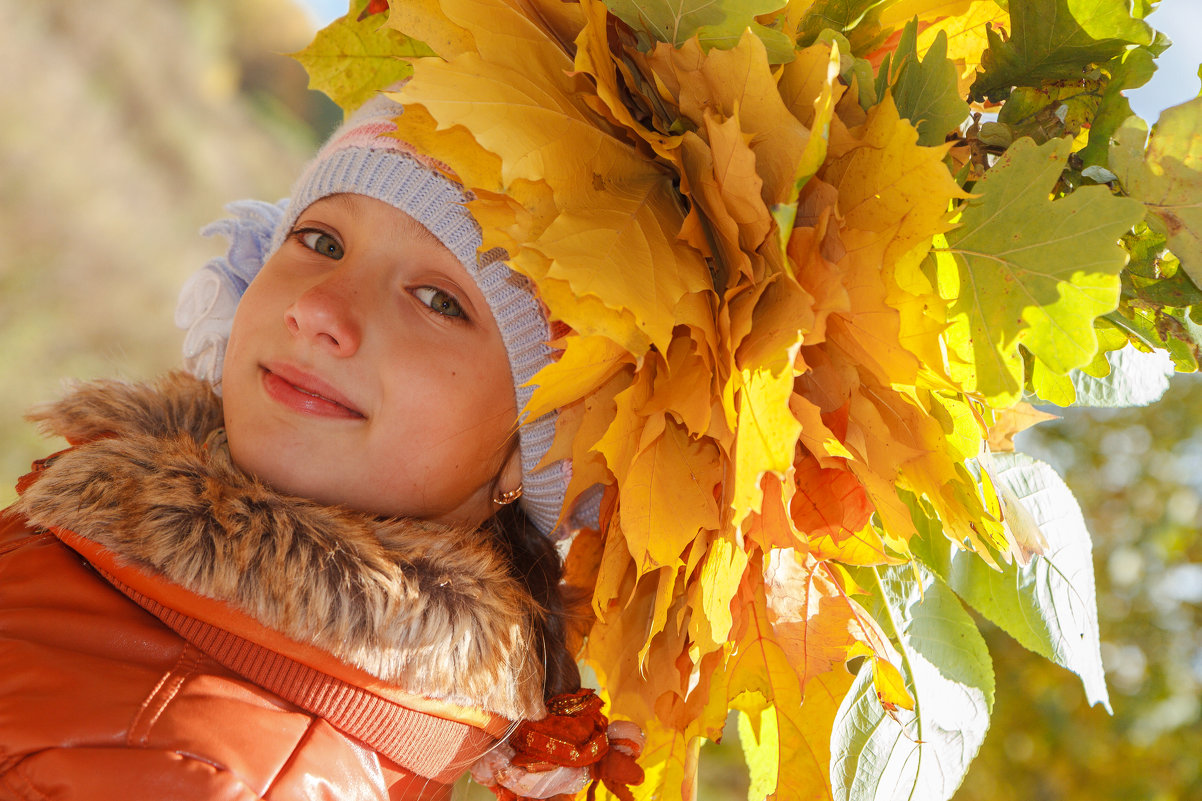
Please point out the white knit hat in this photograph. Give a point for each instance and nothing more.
(364, 157)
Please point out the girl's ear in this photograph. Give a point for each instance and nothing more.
(510, 478)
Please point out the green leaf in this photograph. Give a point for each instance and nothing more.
(1149, 257)
(1120, 375)
(1053, 110)
(1025, 269)
(925, 91)
(1110, 19)
(1154, 276)
(1175, 291)
(1130, 71)
(777, 46)
(835, 15)
(1167, 176)
(1050, 605)
(1050, 386)
(350, 60)
(1174, 330)
(879, 755)
(1055, 40)
(719, 24)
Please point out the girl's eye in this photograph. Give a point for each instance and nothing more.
(321, 242)
(441, 302)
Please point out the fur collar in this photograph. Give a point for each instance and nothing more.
(427, 607)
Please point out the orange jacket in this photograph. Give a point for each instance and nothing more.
(151, 648)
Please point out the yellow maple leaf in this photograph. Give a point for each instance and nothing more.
(351, 59)
(588, 315)
(671, 759)
(586, 363)
(770, 526)
(626, 253)
(788, 754)
(815, 621)
(593, 56)
(1011, 421)
(629, 432)
(617, 638)
(966, 37)
(863, 547)
(768, 323)
(668, 496)
(889, 185)
(739, 84)
(767, 435)
(791, 724)
(728, 219)
(662, 640)
(579, 427)
(456, 147)
(759, 671)
(685, 386)
(713, 590)
(626, 205)
(425, 21)
(616, 581)
(902, 11)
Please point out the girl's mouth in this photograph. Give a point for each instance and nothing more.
(306, 393)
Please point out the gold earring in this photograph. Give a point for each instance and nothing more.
(506, 498)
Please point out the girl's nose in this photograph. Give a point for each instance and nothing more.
(326, 314)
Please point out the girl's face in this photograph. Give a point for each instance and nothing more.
(365, 369)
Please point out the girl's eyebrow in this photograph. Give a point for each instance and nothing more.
(343, 199)
(413, 226)
(422, 232)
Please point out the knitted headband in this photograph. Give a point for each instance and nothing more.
(362, 158)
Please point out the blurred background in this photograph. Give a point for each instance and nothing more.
(129, 124)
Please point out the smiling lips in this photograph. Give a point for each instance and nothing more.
(306, 393)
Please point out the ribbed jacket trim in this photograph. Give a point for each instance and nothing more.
(432, 747)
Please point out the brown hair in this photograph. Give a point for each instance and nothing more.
(533, 560)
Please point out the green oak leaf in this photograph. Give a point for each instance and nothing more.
(1058, 108)
(1024, 269)
(1173, 330)
(1176, 291)
(1154, 277)
(1159, 301)
(1049, 606)
(1049, 386)
(1055, 40)
(1167, 176)
(925, 91)
(890, 756)
(351, 60)
(1131, 70)
(1122, 374)
(1149, 257)
(717, 24)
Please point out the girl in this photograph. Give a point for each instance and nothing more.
(335, 580)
